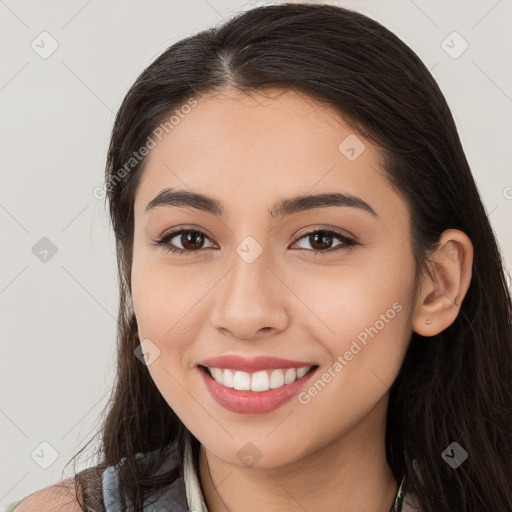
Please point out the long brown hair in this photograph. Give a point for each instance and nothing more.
(455, 386)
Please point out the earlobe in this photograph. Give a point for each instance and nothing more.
(441, 293)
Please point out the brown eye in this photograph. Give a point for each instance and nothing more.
(321, 240)
(190, 240)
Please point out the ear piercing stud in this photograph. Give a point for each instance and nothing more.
(428, 322)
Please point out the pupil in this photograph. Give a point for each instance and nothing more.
(189, 239)
(321, 238)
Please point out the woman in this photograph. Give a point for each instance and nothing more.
(314, 314)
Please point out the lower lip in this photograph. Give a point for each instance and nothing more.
(253, 402)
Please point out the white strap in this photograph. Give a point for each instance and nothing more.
(195, 499)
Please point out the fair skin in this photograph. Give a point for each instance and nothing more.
(55, 498)
(248, 153)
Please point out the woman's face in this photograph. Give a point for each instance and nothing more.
(252, 285)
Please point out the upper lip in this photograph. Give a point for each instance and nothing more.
(252, 364)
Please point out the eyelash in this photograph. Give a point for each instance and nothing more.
(163, 241)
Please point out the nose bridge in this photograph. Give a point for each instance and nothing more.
(247, 282)
(248, 299)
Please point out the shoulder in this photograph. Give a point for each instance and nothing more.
(58, 497)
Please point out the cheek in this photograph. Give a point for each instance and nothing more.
(163, 301)
(162, 297)
(362, 311)
(171, 304)
(364, 325)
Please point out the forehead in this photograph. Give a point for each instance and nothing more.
(261, 147)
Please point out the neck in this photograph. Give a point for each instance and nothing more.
(348, 474)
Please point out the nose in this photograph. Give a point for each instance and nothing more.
(250, 301)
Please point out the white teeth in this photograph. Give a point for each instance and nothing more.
(241, 381)
(290, 376)
(258, 381)
(276, 379)
(301, 372)
(217, 374)
(227, 378)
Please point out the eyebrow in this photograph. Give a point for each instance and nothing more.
(204, 203)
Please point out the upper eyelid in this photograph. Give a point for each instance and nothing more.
(337, 231)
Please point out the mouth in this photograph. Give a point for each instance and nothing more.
(255, 393)
(259, 381)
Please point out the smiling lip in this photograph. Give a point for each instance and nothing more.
(253, 402)
(253, 364)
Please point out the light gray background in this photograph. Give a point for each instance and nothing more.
(58, 317)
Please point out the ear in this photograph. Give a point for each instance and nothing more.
(441, 293)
